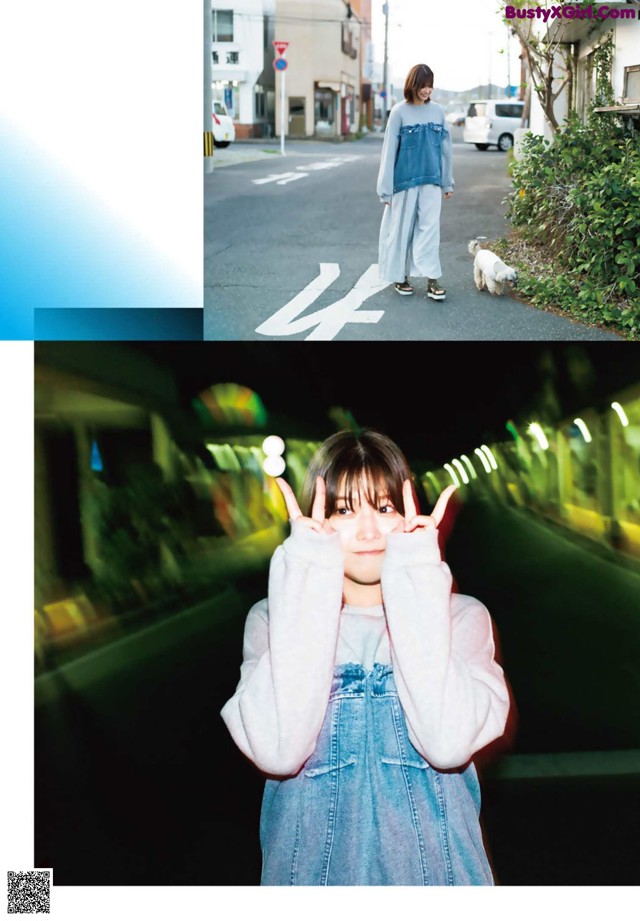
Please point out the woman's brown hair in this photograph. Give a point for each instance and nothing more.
(418, 77)
(345, 459)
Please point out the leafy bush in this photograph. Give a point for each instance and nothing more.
(579, 197)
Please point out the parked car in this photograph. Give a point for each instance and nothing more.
(455, 118)
(492, 122)
(223, 128)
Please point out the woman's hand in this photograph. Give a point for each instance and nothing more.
(415, 522)
(448, 194)
(317, 522)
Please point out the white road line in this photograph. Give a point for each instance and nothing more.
(329, 321)
(291, 178)
(274, 177)
(284, 178)
(321, 164)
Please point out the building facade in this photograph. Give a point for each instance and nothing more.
(584, 36)
(242, 63)
(324, 67)
(362, 11)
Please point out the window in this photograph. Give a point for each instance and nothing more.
(509, 110)
(349, 41)
(215, 57)
(233, 57)
(631, 92)
(476, 109)
(260, 107)
(222, 26)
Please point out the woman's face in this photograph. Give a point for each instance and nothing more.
(363, 530)
(424, 94)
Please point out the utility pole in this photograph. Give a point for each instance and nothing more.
(208, 133)
(283, 103)
(385, 107)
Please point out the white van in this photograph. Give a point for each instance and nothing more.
(492, 122)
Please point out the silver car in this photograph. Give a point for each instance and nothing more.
(492, 122)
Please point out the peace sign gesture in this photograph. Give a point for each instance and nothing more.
(415, 522)
(317, 522)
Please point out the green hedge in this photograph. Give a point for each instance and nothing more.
(579, 197)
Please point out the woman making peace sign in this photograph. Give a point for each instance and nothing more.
(367, 686)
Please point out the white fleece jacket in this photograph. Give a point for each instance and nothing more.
(440, 645)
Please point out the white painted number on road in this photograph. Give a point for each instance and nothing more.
(327, 322)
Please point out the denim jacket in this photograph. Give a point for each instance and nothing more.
(415, 154)
(419, 159)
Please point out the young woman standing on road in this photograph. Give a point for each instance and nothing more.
(367, 686)
(415, 172)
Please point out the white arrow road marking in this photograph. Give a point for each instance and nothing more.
(329, 320)
(284, 178)
(323, 164)
(291, 178)
(274, 177)
(328, 164)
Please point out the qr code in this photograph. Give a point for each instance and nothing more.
(29, 892)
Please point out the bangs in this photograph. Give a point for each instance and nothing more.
(368, 482)
(365, 467)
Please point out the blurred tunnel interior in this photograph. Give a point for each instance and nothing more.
(156, 515)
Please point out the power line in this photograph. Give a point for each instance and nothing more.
(260, 18)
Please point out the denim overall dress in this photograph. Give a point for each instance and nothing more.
(366, 809)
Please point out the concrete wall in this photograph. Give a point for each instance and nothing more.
(314, 33)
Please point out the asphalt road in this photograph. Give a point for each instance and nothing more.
(137, 781)
(271, 223)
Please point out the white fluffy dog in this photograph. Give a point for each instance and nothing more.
(489, 271)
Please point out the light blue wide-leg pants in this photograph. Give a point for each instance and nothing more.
(409, 242)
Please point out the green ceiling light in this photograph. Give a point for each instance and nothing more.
(452, 474)
(622, 416)
(470, 467)
(510, 427)
(536, 430)
(490, 457)
(224, 456)
(582, 425)
(463, 473)
(483, 458)
(434, 481)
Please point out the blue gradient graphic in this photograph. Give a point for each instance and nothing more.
(61, 249)
(146, 324)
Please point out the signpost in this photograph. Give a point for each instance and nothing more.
(281, 65)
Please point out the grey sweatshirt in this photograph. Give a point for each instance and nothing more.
(403, 113)
(440, 645)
